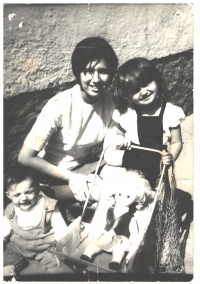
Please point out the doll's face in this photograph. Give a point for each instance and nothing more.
(125, 198)
(130, 189)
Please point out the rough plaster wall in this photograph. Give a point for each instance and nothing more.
(39, 39)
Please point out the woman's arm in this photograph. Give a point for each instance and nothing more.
(29, 157)
(77, 182)
(175, 147)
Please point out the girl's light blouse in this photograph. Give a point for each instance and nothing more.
(173, 116)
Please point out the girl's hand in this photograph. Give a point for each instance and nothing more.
(123, 143)
(167, 158)
(78, 185)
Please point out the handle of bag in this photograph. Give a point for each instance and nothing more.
(98, 165)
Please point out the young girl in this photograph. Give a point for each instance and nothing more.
(31, 223)
(144, 118)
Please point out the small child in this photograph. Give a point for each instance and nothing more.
(31, 223)
(128, 216)
(144, 118)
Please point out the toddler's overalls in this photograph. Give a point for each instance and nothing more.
(26, 244)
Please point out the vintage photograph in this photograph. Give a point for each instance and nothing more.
(98, 142)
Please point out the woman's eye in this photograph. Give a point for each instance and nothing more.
(128, 196)
(88, 71)
(120, 194)
(17, 195)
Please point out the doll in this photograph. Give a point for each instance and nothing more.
(133, 193)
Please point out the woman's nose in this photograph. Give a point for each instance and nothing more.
(95, 77)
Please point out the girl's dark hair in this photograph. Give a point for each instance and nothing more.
(131, 76)
(18, 174)
(90, 49)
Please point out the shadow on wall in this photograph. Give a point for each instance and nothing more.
(21, 111)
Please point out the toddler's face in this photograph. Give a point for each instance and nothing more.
(145, 95)
(24, 194)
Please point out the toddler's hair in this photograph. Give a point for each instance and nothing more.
(131, 76)
(145, 194)
(91, 49)
(18, 174)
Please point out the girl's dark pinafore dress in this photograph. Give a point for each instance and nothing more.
(150, 135)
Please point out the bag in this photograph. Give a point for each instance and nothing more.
(168, 257)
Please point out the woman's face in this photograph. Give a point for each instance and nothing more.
(94, 80)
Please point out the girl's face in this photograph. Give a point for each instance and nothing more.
(94, 80)
(24, 194)
(146, 95)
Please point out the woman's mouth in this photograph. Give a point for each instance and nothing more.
(95, 89)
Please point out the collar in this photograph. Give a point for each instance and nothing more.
(119, 211)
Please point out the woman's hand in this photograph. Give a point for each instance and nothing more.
(78, 185)
(167, 158)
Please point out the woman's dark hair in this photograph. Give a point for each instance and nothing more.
(131, 76)
(90, 49)
(18, 174)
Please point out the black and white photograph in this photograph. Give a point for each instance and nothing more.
(98, 142)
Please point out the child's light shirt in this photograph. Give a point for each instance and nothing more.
(31, 219)
(68, 130)
(172, 117)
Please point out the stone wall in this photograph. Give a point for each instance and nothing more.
(39, 40)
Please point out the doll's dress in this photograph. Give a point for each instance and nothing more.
(116, 232)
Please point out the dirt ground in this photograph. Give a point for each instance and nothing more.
(185, 181)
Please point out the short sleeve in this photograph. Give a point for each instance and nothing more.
(116, 116)
(46, 124)
(175, 115)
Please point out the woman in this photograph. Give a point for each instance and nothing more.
(73, 122)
